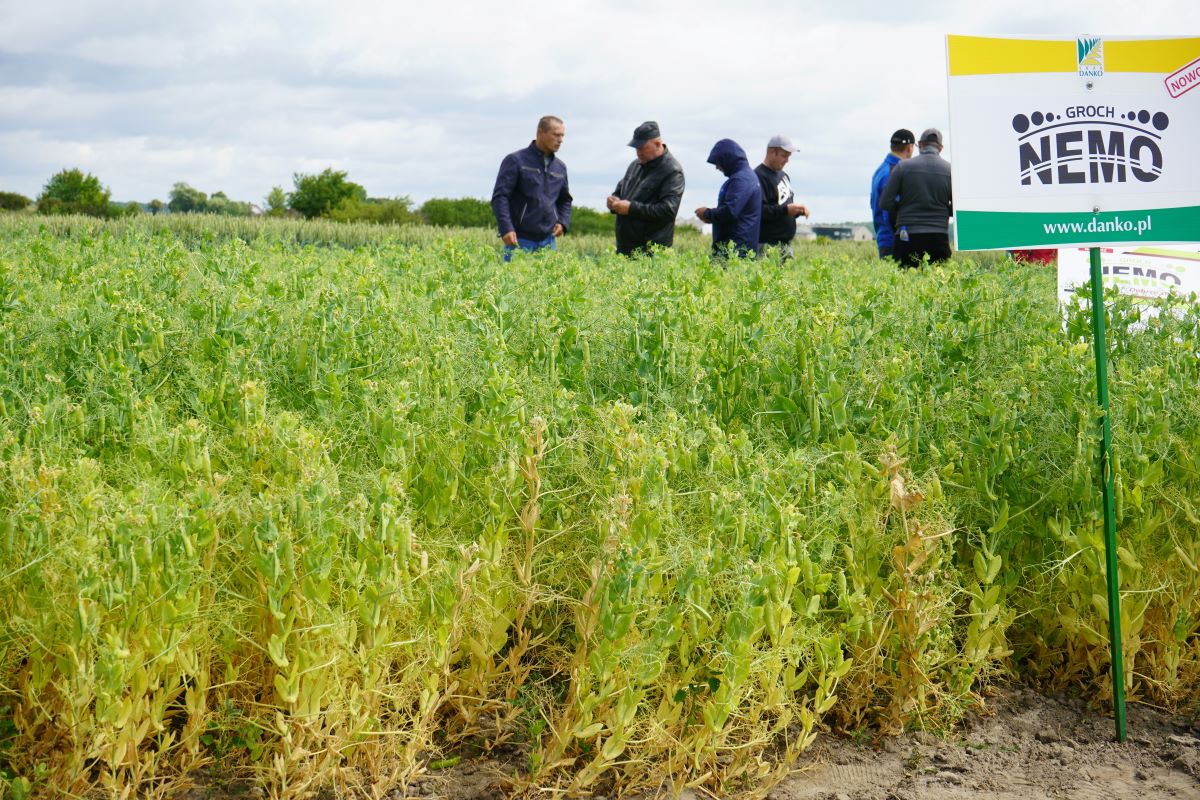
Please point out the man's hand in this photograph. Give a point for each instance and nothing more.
(510, 238)
(701, 211)
(797, 210)
(558, 230)
(612, 198)
(620, 207)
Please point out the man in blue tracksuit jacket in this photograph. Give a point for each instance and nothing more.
(531, 199)
(902, 149)
(738, 214)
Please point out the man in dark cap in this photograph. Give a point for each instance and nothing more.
(647, 198)
(902, 150)
(919, 202)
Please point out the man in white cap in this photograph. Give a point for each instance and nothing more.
(919, 202)
(779, 211)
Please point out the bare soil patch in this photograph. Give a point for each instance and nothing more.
(1024, 746)
(1032, 747)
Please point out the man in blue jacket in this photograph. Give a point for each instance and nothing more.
(902, 149)
(531, 200)
(736, 218)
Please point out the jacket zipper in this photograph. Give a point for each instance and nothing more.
(544, 174)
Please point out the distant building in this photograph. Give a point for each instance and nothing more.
(844, 233)
(804, 233)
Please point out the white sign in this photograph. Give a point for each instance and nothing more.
(1082, 141)
(1148, 273)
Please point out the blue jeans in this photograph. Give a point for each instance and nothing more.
(529, 246)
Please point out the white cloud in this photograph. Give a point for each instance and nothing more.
(424, 100)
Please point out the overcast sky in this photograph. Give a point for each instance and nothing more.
(424, 99)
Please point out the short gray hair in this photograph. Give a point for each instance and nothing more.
(546, 122)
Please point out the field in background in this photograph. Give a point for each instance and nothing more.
(330, 516)
(196, 229)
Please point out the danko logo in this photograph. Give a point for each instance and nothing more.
(1090, 144)
(1090, 50)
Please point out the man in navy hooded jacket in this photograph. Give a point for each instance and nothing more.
(738, 214)
(531, 200)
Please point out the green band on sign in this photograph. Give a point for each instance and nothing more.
(998, 230)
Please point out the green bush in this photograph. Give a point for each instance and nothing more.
(220, 203)
(464, 212)
(276, 202)
(11, 201)
(72, 191)
(319, 195)
(59, 208)
(588, 220)
(186, 199)
(382, 211)
(470, 212)
(74, 186)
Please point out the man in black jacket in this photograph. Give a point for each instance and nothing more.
(779, 213)
(919, 201)
(647, 198)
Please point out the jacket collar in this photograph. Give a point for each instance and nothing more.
(533, 148)
(656, 162)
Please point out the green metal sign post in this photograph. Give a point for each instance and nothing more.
(1106, 478)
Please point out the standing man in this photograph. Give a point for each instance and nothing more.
(531, 200)
(778, 211)
(738, 214)
(647, 198)
(918, 199)
(902, 150)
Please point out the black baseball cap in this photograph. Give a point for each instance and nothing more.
(902, 137)
(644, 133)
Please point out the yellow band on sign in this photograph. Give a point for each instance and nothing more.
(980, 55)
(983, 55)
(1150, 55)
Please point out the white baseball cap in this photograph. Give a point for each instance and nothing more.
(782, 142)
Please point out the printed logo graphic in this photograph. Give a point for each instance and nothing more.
(784, 190)
(1090, 51)
(1090, 144)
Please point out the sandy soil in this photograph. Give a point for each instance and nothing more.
(1032, 748)
(1025, 747)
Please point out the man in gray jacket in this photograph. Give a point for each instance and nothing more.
(919, 202)
(647, 198)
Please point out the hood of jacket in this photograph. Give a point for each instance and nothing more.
(728, 156)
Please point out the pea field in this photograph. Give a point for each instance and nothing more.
(326, 507)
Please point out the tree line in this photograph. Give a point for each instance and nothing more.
(326, 195)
